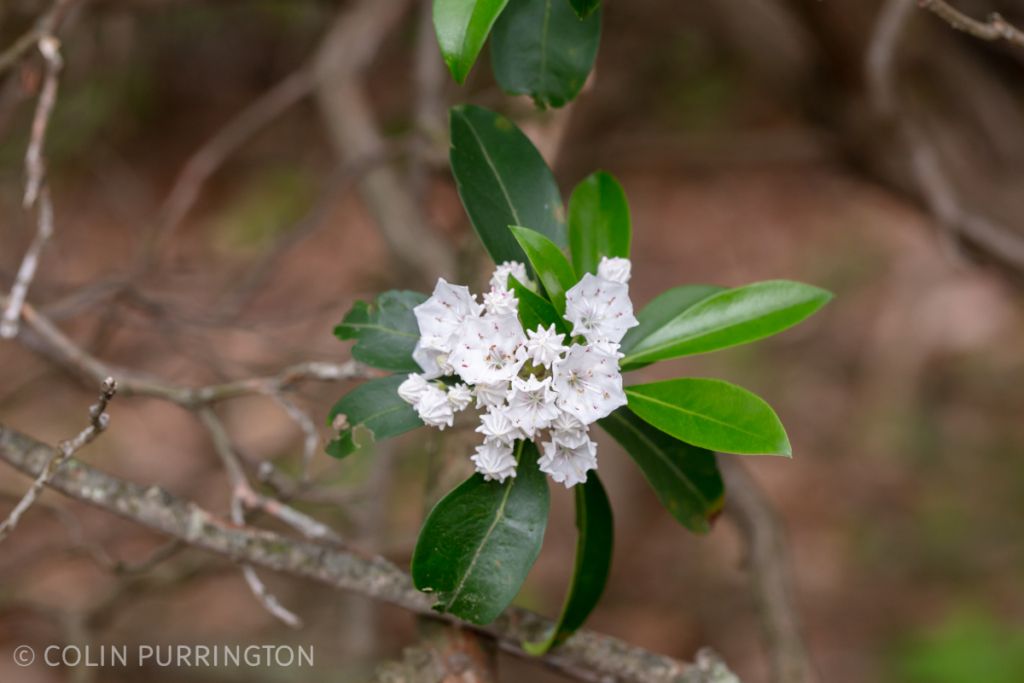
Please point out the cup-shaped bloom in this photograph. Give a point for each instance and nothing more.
(588, 383)
(599, 309)
(485, 351)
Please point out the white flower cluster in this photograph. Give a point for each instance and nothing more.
(530, 384)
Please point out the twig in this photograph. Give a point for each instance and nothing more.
(29, 266)
(98, 420)
(768, 560)
(35, 174)
(995, 28)
(610, 658)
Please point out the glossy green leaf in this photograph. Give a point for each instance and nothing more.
(685, 478)
(503, 180)
(583, 8)
(541, 48)
(660, 311)
(372, 411)
(480, 541)
(595, 532)
(711, 414)
(385, 331)
(549, 263)
(731, 317)
(462, 27)
(598, 222)
(534, 310)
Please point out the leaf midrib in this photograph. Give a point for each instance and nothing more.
(381, 328)
(499, 515)
(494, 170)
(693, 413)
(640, 356)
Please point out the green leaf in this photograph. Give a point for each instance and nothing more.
(549, 263)
(541, 48)
(660, 311)
(385, 332)
(595, 531)
(583, 8)
(711, 414)
(598, 222)
(462, 27)
(731, 317)
(685, 478)
(372, 411)
(534, 310)
(480, 541)
(503, 180)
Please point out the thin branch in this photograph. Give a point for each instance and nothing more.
(936, 188)
(995, 28)
(35, 174)
(771, 574)
(375, 577)
(98, 420)
(28, 268)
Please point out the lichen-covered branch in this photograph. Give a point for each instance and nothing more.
(608, 658)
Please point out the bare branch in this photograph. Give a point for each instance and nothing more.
(768, 560)
(606, 657)
(996, 28)
(35, 173)
(29, 266)
(98, 420)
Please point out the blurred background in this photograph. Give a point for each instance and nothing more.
(216, 170)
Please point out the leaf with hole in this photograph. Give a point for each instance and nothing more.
(370, 412)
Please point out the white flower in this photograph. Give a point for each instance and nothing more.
(588, 384)
(494, 460)
(491, 395)
(531, 406)
(486, 349)
(614, 269)
(501, 302)
(440, 317)
(495, 425)
(599, 309)
(568, 465)
(567, 431)
(459, 396)
(434, 409)
(499, 280)
(544, 347)
(433, 361)
(412, 388)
